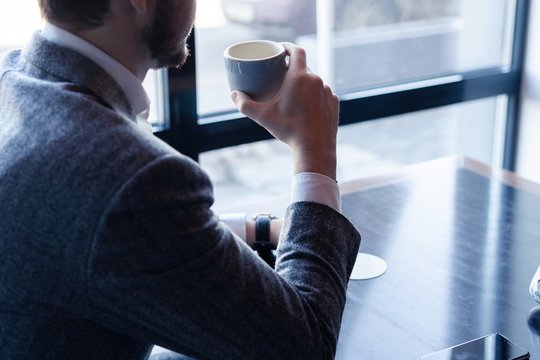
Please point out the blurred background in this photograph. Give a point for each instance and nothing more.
(361, 48)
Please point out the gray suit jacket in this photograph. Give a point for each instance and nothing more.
(108, 244)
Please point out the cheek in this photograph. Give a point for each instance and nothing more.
(183, 18)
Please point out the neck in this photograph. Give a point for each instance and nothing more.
(129, 52)
(120, 37)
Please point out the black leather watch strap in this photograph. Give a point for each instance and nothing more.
(262, 229)
(262, 243)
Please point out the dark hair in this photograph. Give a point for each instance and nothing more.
(85, 14)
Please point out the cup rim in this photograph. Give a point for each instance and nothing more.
(227, 55)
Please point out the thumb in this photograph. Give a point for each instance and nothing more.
(245, 104)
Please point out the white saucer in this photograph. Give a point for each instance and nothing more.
(368, 266)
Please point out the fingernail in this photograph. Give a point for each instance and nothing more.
(234, 96)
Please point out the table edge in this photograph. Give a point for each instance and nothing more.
(454, 162)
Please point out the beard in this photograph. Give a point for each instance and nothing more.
(161, 38)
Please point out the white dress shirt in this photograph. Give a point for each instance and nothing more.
(305, 186)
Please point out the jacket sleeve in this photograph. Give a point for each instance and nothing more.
(162, 269)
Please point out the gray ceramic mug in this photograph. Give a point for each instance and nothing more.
(256, 68)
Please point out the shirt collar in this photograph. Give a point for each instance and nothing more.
(127, 81)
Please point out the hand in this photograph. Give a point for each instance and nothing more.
(303, 115)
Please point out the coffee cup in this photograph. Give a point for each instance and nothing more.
(256, 67)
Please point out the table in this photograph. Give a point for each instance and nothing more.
(462, 242)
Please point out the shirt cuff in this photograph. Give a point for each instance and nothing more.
(314, 187)
(236, 222)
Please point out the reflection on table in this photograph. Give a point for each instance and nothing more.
(461, 241)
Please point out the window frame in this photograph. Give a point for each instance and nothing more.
(192, 135)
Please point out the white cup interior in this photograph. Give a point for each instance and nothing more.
(254, 50)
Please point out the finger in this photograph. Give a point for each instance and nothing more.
(245, 104)
(297, 56)
(328, 90)
(288, 46)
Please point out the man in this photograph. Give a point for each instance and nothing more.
(107, 240)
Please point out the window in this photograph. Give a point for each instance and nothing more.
(18, 20)
(438, 77)
(442, 74)
(247, 172)
(366, 43)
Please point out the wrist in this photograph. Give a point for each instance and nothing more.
(275, 229)
(324, 163)
(250, 232)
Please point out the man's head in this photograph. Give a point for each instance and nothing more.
(166, 36)
(81, 14)
(162, 26)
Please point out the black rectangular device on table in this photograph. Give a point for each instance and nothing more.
(490, 347)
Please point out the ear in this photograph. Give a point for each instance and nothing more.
(140, 6)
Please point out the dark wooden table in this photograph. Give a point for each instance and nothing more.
(462, 242)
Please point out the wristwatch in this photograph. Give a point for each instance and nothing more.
(262, 244)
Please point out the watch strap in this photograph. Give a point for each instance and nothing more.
(262, 244)
(262, 230)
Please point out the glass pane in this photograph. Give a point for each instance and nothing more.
(20, 19)
(356, 43)
(262, 171)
